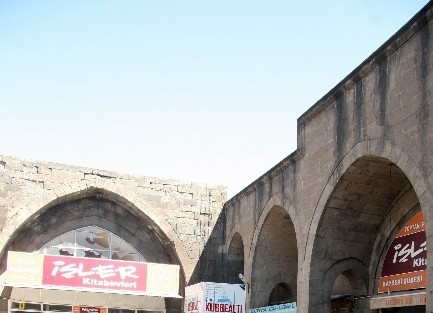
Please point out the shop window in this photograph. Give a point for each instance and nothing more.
(92, 242)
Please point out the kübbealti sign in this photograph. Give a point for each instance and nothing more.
(102, 275)
(209, 297)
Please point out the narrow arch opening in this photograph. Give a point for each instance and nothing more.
(280, 294)
(275, 260)
(235, 259)
(348, 293)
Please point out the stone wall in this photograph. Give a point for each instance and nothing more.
(183, 213)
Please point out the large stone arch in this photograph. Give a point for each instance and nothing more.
(384, 151)
(109, 211)
(99, 188)
(278, 212)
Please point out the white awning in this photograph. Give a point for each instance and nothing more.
(69, 297)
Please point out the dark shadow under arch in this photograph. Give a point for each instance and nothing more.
(280, 294)
(275, 257)
(235, 260)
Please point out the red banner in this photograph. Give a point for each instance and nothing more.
(73, 273)
(406, 259)
(94, 273)
(88, 309)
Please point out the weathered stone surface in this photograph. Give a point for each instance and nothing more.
(33, 187)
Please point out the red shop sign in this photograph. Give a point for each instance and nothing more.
(92, 273)
(406, 259)
(89, 309)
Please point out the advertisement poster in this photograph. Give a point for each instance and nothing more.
(207, 297)
(404, 267)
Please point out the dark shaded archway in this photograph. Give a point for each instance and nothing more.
(235, 260)
(275, 258)
(350, 224)
(280, 294)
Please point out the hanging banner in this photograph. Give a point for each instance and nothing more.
(102, 275)
(209, 297)
(404, 267)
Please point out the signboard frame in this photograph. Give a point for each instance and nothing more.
(404, 265)
(31, 270)
(209, 297)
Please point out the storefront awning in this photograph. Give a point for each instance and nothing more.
(398, 300)
(69, 297)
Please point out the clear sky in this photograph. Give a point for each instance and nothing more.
(203, 91)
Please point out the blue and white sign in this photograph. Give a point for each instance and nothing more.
(208, 297)
(280, 308)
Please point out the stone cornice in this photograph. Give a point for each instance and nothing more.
(268, 176)
(403, 35)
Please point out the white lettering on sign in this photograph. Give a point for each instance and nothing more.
(87, 309)
(402, 281)
(413, 227)
(402, 253)
(108, 283)
(103, 271)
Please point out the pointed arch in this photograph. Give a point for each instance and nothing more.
(136, 206)
(274, 251)
(235, 259)
(385, 153)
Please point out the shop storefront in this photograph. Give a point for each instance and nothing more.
(89, 270)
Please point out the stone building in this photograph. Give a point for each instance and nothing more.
(316, 228)
(326, 227)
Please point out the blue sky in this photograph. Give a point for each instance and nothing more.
(204, 91)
